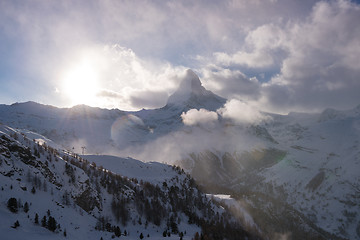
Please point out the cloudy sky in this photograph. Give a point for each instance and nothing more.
(276, 55)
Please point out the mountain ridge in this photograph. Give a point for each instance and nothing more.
(299, 160)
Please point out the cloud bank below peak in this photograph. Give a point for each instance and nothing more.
(199, 117)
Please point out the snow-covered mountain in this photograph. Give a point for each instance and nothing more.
(49, 193)
(297, 175)
(191, 94)
(108, 131)
(72, 128)
(319, 176)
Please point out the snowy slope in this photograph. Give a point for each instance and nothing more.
(19, 173)
(90, 202)
(70, 127)
(320, 173)
(153, 172)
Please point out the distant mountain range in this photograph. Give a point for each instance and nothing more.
(296, 175)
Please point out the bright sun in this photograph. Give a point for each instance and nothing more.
(80, 84)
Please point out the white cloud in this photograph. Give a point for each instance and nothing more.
(231, 83)
(316, 58)
(242, 113)
(312, 45)
(202, 117)
(123, 79)
(257, 59)
(261, 49)
(320, 70)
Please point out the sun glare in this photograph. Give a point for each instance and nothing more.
(80, 84)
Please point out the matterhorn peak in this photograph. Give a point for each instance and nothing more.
(191, 94)
(191, 83)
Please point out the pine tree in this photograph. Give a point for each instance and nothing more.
(141, 236)
(12, 205)
(117, 231)
(108, 227)
(173, 225)
(26, 207)
(51, 224)
(33, 191)
(43, 222)
(36, 219)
